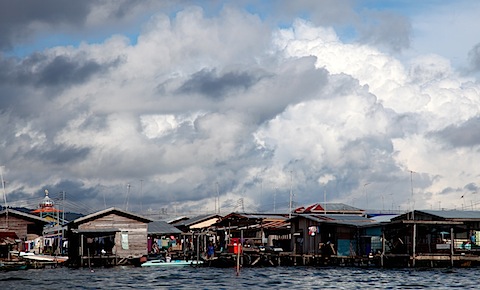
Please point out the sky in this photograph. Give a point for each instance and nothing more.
(194, 107)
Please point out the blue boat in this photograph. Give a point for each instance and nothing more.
(172, 263)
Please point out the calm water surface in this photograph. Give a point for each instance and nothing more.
(249, 278)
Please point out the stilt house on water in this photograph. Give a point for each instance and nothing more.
(327, 234)
(433, 238)
(256, 230)
(162, 236)
(17, 228)
(196, 233)
(110, 237)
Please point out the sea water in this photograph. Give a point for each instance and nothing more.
(248, 278)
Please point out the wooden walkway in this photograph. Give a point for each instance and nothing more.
(256, 259)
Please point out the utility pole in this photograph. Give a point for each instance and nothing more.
(126, 199)
(141, 196)
(413, 200)
(275, 200)
(324, 199)
(291, 195)
(365, 192)
(4, 198)
(3, 187)
(63, 207)
(217, 200)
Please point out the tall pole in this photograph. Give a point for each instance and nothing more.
(324, 199)
(413, 200)
(63, 222)
(217, 200)
(126, 199)
(365, 192)
(63, 208)
(4, 198)
(291, 195)
(141, 195)
(275, 200)
(3, 187)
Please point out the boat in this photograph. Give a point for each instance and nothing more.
(39, 257)
(12, 266)
(171, 263)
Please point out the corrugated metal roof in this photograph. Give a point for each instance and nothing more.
(161, 228)
(23, 214)
(95, 231)
(383, 218)
(194, 220)
(343, 219)
(319, 207)
(108, 211)
(454, 214)
(272, 225)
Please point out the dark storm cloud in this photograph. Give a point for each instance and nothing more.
(386, 29)
(59, 154)
(41, 70)
(17, 17)
(464, 135)
(210, 84)
(471, 187)
(474, 58)
(22, 21)
(63, 70)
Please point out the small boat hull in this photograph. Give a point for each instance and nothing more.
(172, 263)
(12, 266)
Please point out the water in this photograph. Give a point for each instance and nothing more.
(249, 278)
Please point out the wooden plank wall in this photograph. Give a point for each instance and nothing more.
(16, 224)
(136, 230)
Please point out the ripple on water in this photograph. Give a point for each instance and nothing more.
(251, 278)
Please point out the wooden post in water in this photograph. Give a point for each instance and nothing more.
(198, 248)
(240, 246)
(383, 247)
(81, 250)
(238, 258)
(89, 264)
(414, 242)
(451, 246)
(239, 249)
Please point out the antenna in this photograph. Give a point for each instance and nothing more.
(141, 195)
(126, 198)
(3, 186)
(275, 200)
(413, 200)
(4, 198)
(217, 200)
(365, 192)
(291, 194)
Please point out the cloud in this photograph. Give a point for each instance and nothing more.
(386, 29)
(202, 98)
(211, 85)
(462, 135)
(20, 19)
(474, 58)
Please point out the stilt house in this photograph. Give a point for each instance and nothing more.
(108, 234)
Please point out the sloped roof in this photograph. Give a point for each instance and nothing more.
(162, 228)
(195, 220)
(454, 214)
(383, 218)
(21, 214)
(343, 219)
(272, 225)
(327, 207)
(111, 210)
(449, 215)
(249, 219)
